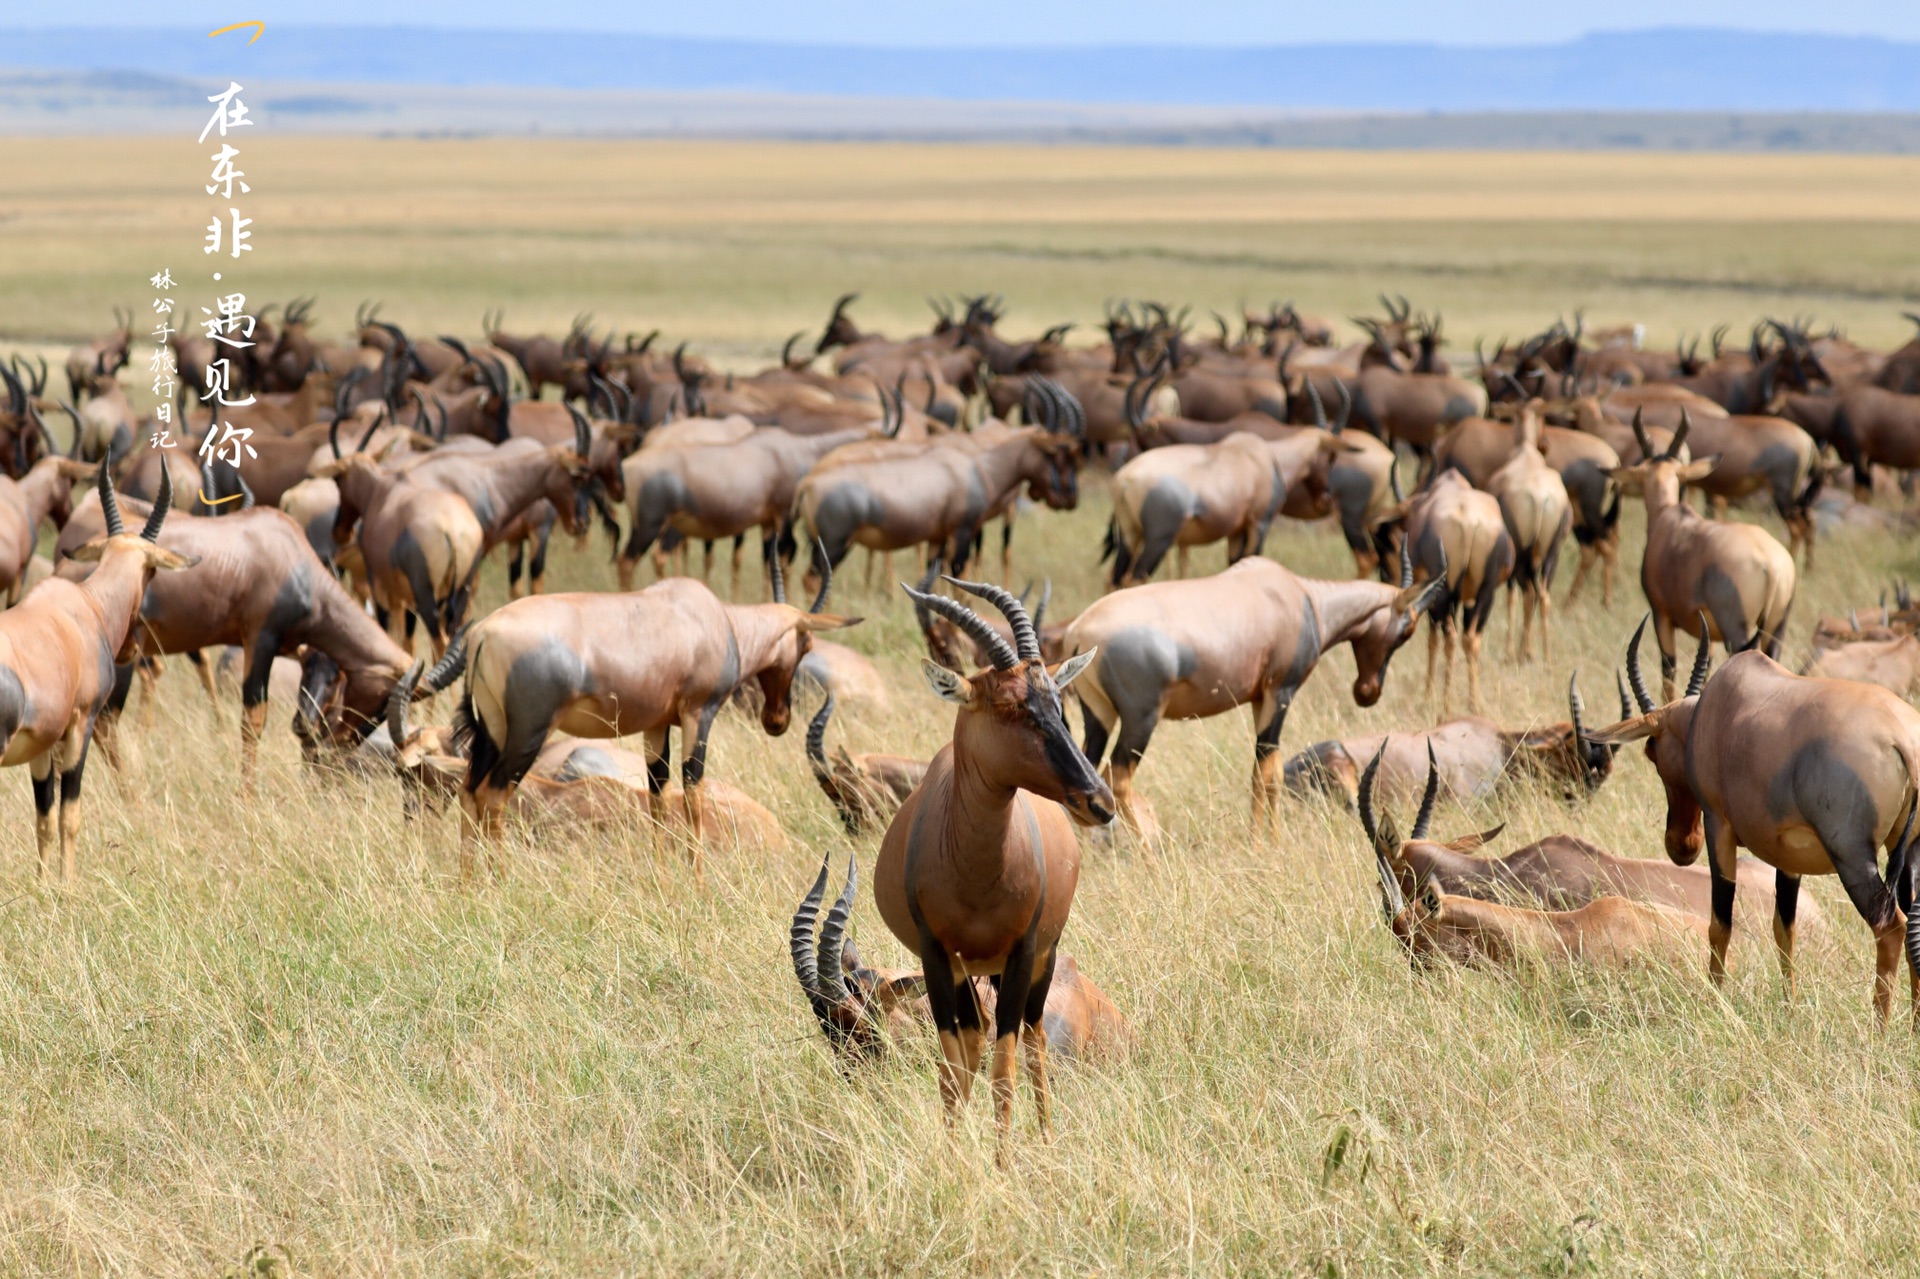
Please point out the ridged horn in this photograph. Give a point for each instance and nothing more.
(800, 942)
(833, 936)
(109, 505)
(1026, 642)
(999, 653)
(826, 574)
(397, 704)
(1424, 819)
(1702, 659)
(1635, 679)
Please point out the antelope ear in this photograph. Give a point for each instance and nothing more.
(897, 990)
(164, 559)
(1699, 468)
(814, 622)
(1069, 670)
(1468, 843)
(951, 685)
(89, 552)
(1629, 730)
(332, 469)
(1430, 898)
(1416, 597)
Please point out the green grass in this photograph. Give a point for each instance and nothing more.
(286, 1022)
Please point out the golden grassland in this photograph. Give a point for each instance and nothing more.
(736, 244)
(284, 1021)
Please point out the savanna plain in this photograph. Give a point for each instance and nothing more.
(282, 1022)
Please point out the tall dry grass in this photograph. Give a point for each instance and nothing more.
(286, 1022)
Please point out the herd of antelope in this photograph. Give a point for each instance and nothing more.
(387, 467)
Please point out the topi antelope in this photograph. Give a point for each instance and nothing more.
(1437, 925)
(1247, 637)
(1537, 511)
(1813, 776)
(1560, 872)
(58, 647)
(1459, 541)
(977, 870)
(1728, 582)
(1475, 756)
(598, 665)
(863, 1010)
(257, 584)
(864, 789)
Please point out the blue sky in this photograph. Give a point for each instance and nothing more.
(1024, 22)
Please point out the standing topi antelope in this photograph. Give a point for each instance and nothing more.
(977, 870)
(57, 652)
(1247, 637)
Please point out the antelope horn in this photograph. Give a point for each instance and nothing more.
(1046, 596)
(397, 705)
(206, 484)
(73, 413)
(366, 436)
(1702, 659)
(1626, 702)
(459, 347)
(1392, 900)
(158, 515)
(109, 507)
(786, 351)
(1679, 436)
(1393, 479)
(800, 941)
(1026, 644)
(1319, 408)
(1576, 709)
(1346, 405)
(1634, 678)
(826, 574)
(1406, 562)
(1424, 818)
(1640, 435)
(451, 663)
(582, 433)
(247, 499)
(777, 576)
(833, 936)
(1853, 619)
(999, 653)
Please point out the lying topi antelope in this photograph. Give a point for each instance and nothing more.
(977, 870)
(57, 651)
(1813, 776)
(609, 665)
(1247, 637)
(1437, 925)
(863, 1010)
(1560, 872)
(865, 788)
(1474, 755)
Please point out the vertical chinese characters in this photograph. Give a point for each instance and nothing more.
(162, 364)
(227, 324)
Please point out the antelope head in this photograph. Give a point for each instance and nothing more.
(859, 1008)
(1659, 476)
(1569, 754)
(1010, 722)
(419, 755)
(1664, 729)
(1420, 924)
(145, 543)
(1391, 626)
(793, 641)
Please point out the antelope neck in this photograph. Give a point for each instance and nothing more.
(1344, 608)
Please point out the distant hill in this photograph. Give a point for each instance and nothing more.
(1687, 70)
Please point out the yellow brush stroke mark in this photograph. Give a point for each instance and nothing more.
(259, 29)
(219, 501)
